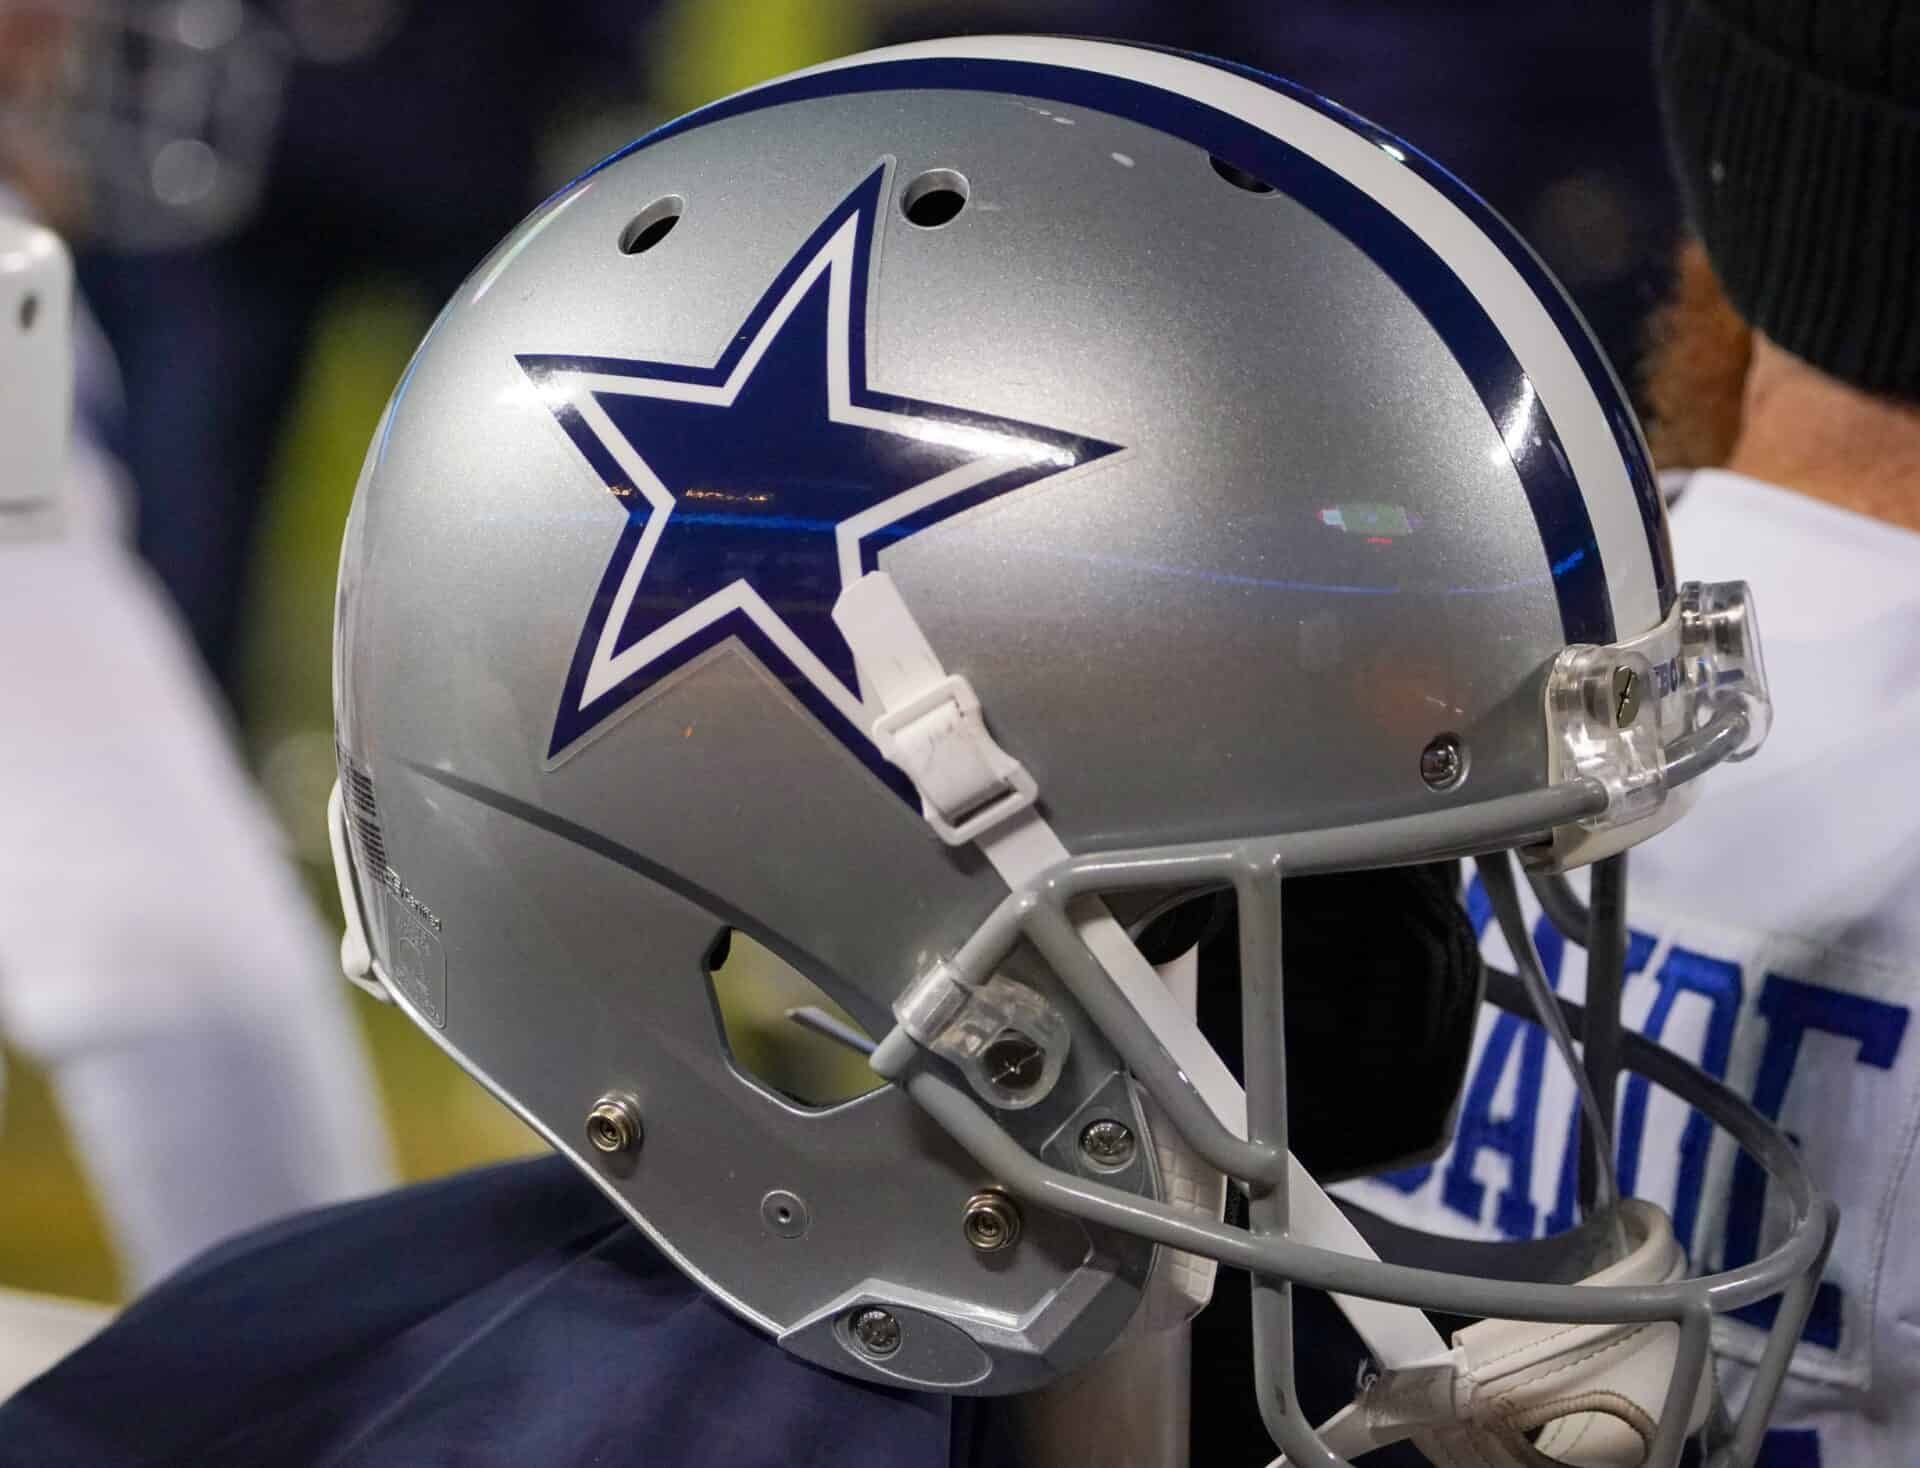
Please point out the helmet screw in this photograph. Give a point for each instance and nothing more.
(875, 1332)
(991, 1222)
(1107, 1144)
(1443, 763)
(1013, 1062)
(785, 1213)
(1626, 695)
(613, 1126)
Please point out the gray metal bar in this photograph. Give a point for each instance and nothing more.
(1503, 823)
(898, 1056)
(1500, 824)
(1342, 1274)
(1489, 825)
(1263, 1038)
(1496, 876)
(1758, 1136)
(1295, 1437)
(1692, 755)
(1690, 1360)
(1795, 1262)
(1087, 979)
(1039, 912)
(1775, 1357)
(1606, 979)
(1561, 904)
(1716, 1434)
(813, 1017)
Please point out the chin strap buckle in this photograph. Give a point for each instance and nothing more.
(930, 727)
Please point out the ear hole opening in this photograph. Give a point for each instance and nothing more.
(652, 225)
(755, 994)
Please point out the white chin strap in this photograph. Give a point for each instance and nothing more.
(929, 724)
(356, 953)
(1591, 1395)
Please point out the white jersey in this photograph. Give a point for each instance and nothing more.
(157, 954)
(1776, 943)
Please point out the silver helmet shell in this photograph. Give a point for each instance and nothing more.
(1233, 454)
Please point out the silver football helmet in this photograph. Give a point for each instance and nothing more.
(909, 513)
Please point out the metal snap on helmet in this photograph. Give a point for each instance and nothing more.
(891, 515)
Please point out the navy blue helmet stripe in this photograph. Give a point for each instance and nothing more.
(1559, 507)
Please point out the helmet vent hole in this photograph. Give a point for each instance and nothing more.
(29, 311)
(1234, 174)
(935, 198)
(652, 225)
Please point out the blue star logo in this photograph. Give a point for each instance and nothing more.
(757, 488)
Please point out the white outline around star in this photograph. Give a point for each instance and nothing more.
(576, 389)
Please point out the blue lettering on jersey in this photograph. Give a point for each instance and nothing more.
(1628, 1133)
(1791, 1008)
(1682, 971)
(756, 488)
(1789, 1447)
(1478, 1130)
(1512, 1135)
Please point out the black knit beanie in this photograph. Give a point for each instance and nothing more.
(1795, 129)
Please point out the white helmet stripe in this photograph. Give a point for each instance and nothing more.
(1572, 399)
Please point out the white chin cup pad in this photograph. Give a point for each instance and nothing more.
(1594, 1393)
(1181, 1283)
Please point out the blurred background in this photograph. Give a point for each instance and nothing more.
(270, 200)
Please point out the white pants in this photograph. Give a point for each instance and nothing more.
(157, 954)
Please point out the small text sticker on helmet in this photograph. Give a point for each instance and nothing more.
(416, 965)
